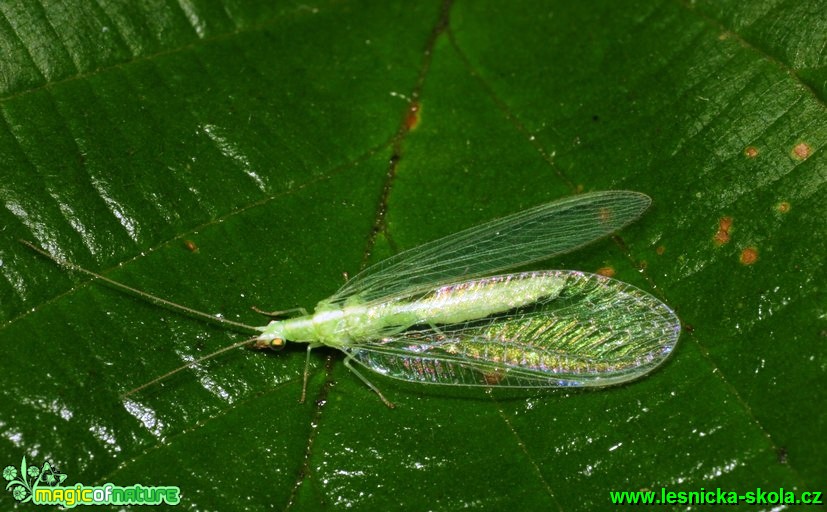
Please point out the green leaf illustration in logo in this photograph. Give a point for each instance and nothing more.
(22, 483)
(20, 487)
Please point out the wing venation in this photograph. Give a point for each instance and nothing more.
(519, 239)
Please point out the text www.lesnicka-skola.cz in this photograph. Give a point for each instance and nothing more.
(717, 496)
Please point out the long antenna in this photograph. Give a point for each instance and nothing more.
(184, 367)
(144, 295)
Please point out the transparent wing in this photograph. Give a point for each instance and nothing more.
(596, 332)
(519, 239)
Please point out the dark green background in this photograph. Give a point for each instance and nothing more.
(274, 138)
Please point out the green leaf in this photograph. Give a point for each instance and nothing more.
(237, 154)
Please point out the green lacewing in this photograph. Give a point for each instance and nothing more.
(443, 313)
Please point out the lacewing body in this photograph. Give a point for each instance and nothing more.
(435, 315)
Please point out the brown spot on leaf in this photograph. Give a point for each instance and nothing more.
(801, 151)
(190, 245)
(749, 256)
(412, 119)
(783, 207)
(751, 151)
(606, 271)
(660, 250)
(722, 236)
